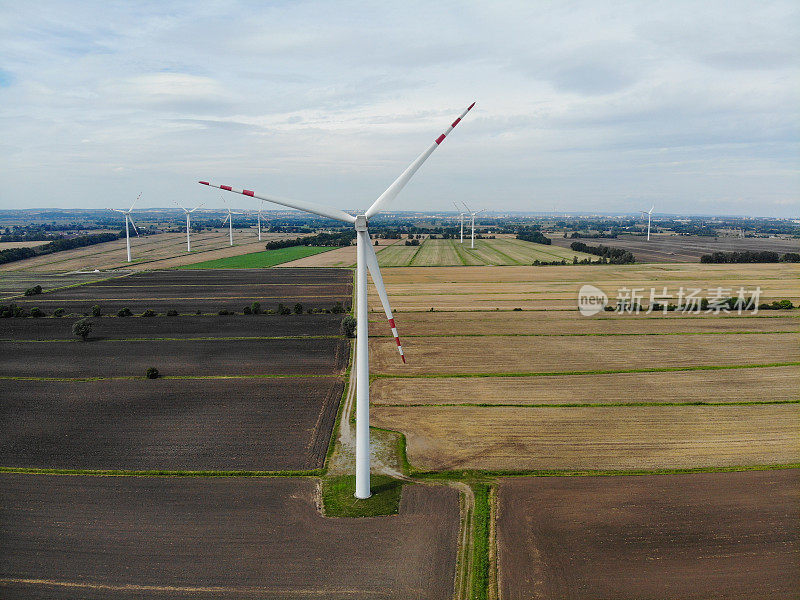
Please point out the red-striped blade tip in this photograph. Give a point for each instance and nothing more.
(204, 182)
(403, 356)
(470, 106)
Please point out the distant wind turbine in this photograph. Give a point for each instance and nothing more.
(649, 214)
(229, 219)
(366, 260)
(472, 215)
(188, 224)
(128, 219)
(461, 219)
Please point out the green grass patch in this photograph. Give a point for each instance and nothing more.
(480, 565)
(258, 260)
(338, 497)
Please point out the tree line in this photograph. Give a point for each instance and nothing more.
(615, 256)
(749, 256)
(344, 238)
(13, 254)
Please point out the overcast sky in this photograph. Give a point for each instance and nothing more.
(581, 106)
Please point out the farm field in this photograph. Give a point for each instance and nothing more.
(470, 395)
(159, 251)
(260, 260)
(180, 327)
(341, 257)
(174, 358)
(500, 251)
(602, 437)
(196, 424)
(554, 354)
(556, 287)
(553, 323)
(204, 290)
(695, 536)
(6, 245)
(683, 248)
(15, 283)
(762, 384)
(223, 537)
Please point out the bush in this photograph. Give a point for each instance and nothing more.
(247, 310)
(298, 309)
(172, 312)
(96, 312)
(36, 312)
(255, 308)
(790, 257)
(349, 326)
(149, 313)
(224, 312)
(337, 308)
(284, 310)
(12, 310)
(59, 312)
(37, 289)
(124, 312)
(152, 373)
(82, 328)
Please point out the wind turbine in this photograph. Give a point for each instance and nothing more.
(366, 260)
(188, 224)
(461, 219)
(128, 219)
(472, 214)
(649, 214)
(229, 219)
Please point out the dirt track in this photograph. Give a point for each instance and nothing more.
(694, 537)
(90, 537)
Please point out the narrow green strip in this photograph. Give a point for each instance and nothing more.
(590, 404)
(478, 475)
(592, 372)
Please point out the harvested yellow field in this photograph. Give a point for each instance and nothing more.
(572, 323)
(764, 384)
(158, 251)
(453, 438)
(520, 354)
(341, 257)
(7, 245)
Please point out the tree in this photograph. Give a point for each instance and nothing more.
(36, 312)
(96, 312)
(82, 328)
(124, 312)
(298, 309)
(255, 307)
(152, 373)
(349, 326)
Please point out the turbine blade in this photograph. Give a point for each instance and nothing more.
(311, 207)
(467, 207)
(134, 202)
(399, 183)
(175, 202)
(196, 207)
(377, 279)
(225, 220)
(133, 225)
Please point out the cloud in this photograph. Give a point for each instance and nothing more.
(684, 102)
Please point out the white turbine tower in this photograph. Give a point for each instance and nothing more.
(188, 224)
(649, 214)
(229, 219)
(461, 220)
(128, 219)
(472, 215)
(366, 259)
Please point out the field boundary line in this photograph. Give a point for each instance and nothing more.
(471, 335)
(458, 253)
(183, 339)
(158, 472)
(591, 372)
(591, 405)
(480, 474)
(133, 377)
(414, 256)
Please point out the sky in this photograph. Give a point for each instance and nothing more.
(693, 107)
